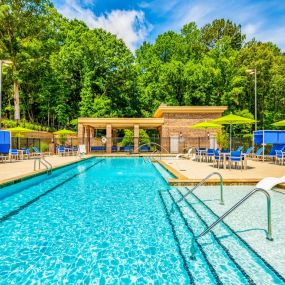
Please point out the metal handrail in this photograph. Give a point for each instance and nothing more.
(201, 183)
(152, 143)
(44, 162)
(48, 163)
(269, 227)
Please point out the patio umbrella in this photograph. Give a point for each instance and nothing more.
(64, 132)
(279, 124)
(205, 125)
(232, 120)
(18, 131)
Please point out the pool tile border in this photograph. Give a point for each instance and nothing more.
(21, 178)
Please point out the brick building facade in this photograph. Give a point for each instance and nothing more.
(172, 123)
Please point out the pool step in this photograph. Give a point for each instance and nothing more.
(258, 270)
(228, 271)
(198, 271)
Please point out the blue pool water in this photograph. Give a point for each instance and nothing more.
(108, 221)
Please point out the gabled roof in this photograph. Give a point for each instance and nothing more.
(163, 109)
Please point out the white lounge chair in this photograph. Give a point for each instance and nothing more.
(82, 150)
(185, 155)
(269, 182)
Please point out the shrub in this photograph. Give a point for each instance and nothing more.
(129, 138)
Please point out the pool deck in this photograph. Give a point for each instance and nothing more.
(189, 172)
(22, 168)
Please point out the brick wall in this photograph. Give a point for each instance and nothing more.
(174, 124)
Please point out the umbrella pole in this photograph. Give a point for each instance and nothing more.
(230, 137)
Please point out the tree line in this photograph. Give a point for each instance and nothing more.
(61, 69)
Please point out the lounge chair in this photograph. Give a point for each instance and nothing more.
(272, 152)
(280, 157)
(258, 153)
(235, 157)
(36, 152)
(186, 155)
(248, 151)
(13, 153)
(239, 148)
(82, 150)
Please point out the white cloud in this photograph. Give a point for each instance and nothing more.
(128, 25)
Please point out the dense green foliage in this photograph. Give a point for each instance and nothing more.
(63, 69)
(128, 138)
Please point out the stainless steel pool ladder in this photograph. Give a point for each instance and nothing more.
(269, 227)
(44, 162)
(201, 183)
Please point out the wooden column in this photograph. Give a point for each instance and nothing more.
(109, 138)
(136, 138)
(88, 139)
(80, 133)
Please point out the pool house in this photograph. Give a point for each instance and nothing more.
(169, 127)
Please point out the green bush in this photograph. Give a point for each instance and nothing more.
(44, 147)
(222, 139)
(129, 138)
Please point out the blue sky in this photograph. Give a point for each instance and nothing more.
(138, 21)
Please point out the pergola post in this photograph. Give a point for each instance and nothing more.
(80, 134)
(136, 138)
(88, 139)
(109, 138)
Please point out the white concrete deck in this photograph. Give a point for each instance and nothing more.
(17, 169)
(256, 170)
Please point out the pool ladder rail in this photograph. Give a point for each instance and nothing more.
(200, 184)
(44, 162)
(255, 190)
(251, 193)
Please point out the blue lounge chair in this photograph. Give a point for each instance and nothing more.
(239, 148)
(272, 152)
(236, 157)
(258, 153)
(248, 151)
(37, 152)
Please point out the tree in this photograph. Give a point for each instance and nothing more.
(22, 27)
(220, 28)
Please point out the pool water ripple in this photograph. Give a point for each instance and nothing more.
(97, 227)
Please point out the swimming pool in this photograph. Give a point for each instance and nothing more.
(108, 221)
